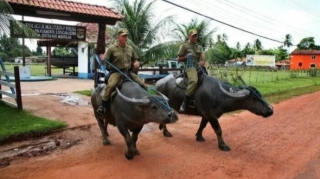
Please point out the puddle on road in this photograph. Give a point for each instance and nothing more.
(71, 99)
(67, 98)
(34, 150)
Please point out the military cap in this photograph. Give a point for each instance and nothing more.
(122, 31)
(192, 32)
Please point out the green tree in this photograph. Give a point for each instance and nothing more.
(308, 44)
(205, 34)
(6, 18)
(247, 50)
(281, 53)
(145, 33)
(257, 45)
(288, 41)
(7, 44)
(39, 51)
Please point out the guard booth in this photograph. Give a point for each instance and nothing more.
(70, 11)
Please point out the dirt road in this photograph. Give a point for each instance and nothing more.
(284, 146)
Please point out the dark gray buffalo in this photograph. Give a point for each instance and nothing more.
(213, 98)
(131, 107)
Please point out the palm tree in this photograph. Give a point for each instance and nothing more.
(238, 46)
(247, 50)
(257, 45)
(219, 38)
(6, 18)
(204, 32)
(144, 35)
(288, 41)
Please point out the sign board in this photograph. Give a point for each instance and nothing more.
(261, 60)
(24, 71)
(50, 31)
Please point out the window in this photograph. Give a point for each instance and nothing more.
(300, 64)
(313, 57)
(313, 65)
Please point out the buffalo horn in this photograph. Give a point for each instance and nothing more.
(240, 94)
(163, 96)
(136, 102)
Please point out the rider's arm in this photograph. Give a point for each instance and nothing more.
(107, 58)
(181, 53)
(135, 57)
(202, 56)
(107, 55)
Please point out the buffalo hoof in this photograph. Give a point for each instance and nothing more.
(129, 155)
(224, 147)
(167, 134)
(200, 139)
(106, 142)
(136, 152)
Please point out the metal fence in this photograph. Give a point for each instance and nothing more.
(260, 74)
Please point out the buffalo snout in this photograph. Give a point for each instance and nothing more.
(172, 117)
(269, 112)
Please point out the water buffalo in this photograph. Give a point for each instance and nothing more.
(131, 107)
(213, 98)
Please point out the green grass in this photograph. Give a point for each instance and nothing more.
(290, 93)
(274, 92)
(84, 92)
(17, 125)
(284, 85)
(254, 77)
(37, 69)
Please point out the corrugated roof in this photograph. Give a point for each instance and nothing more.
(70, 6)
(305, 52)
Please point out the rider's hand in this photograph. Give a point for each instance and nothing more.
(202, 63)
(189, 55)
(136, 64)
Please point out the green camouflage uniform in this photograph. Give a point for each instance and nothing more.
(191, 67)
(122, 58)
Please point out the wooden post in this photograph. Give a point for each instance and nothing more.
(0, 89)
(101, 41)
(23, 50)
(18, 87)
(49, 59)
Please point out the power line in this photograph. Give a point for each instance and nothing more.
(265, 18)
(299, 7)
(226, 13)
(224, 22)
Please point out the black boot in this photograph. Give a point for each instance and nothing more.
(103, 108)
(184, 105)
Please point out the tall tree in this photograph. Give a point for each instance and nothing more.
(288, 41)
(247, 50)
(145, 33)
(39, 50)
(204, 32)
(308, 43)
(238, 46)
(6, 18)
(257, 45)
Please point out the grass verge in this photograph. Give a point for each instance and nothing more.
(275, 96)
(17, 125)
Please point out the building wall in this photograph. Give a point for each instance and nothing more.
(304, 61)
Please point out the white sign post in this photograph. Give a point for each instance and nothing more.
(24, 71)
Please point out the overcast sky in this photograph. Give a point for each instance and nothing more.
(272, 18)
